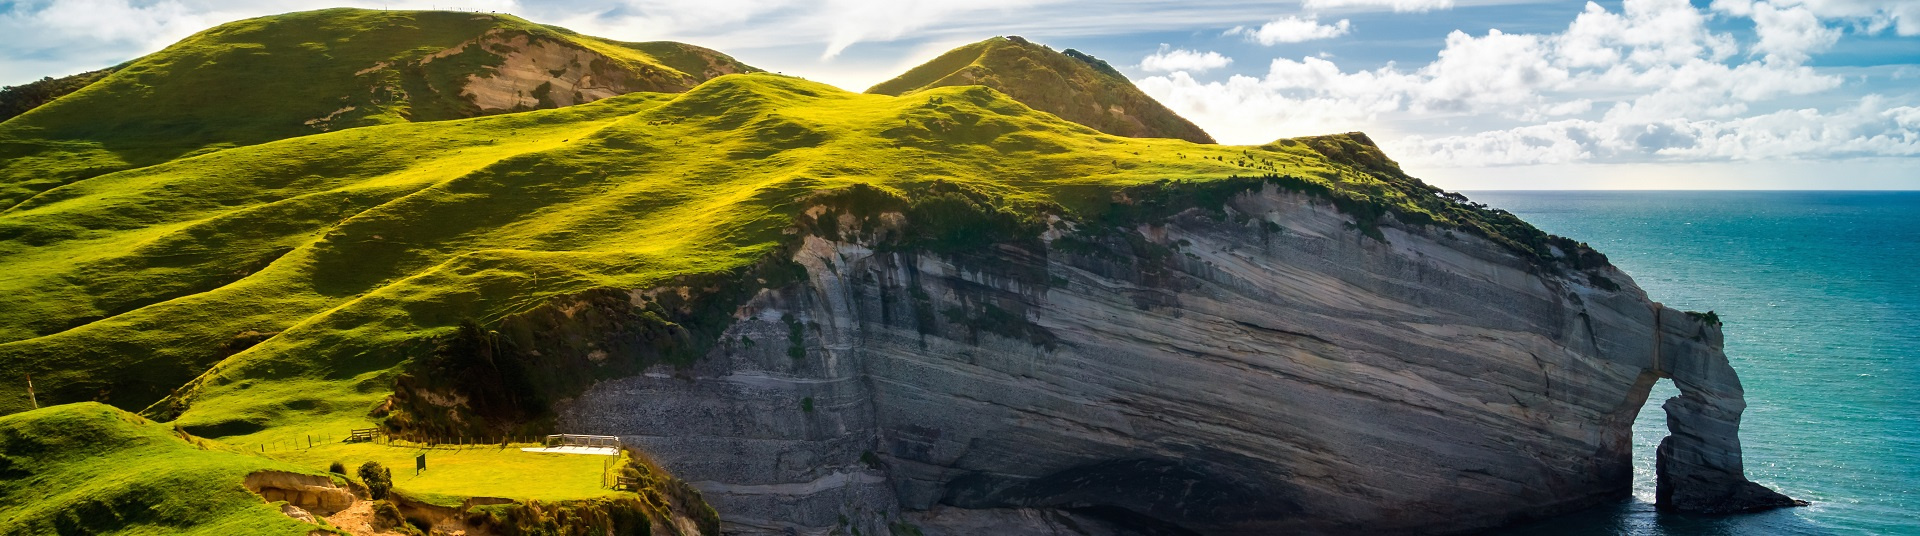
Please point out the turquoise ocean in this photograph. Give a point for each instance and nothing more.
(1820, 295)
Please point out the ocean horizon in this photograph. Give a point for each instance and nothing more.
(1820, 297)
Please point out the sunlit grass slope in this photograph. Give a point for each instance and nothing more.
(91, 469)
(1070, 84)
(341, 254)
(700, 184)
(272, 78)
(126, 285)
(455, 473)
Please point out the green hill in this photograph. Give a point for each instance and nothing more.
(1071, 84)
(340, 254)
(293, 277)
(278, 77)
(91, 469)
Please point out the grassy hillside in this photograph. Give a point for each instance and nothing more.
(293, 277)
(91, 469)
(355, 246)
(701, 184)
(283, 76)
(1071, 84)
(221, 248)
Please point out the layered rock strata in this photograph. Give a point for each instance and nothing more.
(1699, 468)
(310, 493)
(1272, 371)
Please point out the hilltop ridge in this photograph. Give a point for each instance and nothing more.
(282, 76)
(1071, 84)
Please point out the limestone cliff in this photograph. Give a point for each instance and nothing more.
(1265, 369)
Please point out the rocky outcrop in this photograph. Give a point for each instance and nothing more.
(308, 493)
(513, 69)
(535, 73)
(1269, 370)
(1699, 468)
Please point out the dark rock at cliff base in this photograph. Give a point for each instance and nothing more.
(1711, 492)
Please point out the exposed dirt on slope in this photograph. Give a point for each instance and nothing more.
(358, 521)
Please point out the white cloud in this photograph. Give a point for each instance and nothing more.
(1649, 83)
(1399, 6)
(1183, 60)
(1792, 33)
(1292, 29)
(1874, 16)
(1868, 129)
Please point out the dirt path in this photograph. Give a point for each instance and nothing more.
(358, 520)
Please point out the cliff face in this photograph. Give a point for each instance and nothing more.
(1270, 372)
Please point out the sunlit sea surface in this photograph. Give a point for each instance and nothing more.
(1820, 295)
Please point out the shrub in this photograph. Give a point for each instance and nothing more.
(378, 479)
(1708, 317)
(337, 468)
(796, 337)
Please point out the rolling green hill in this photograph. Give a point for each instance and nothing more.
(92, 469)
(278, 77)
(1071, 84)
(340, 254)
(293, 277)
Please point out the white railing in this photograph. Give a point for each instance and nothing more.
(576, 440)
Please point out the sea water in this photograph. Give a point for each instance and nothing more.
(1820, 296)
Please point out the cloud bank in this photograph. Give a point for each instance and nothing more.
(1649, 83)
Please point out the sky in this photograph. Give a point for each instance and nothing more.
(1468, 94)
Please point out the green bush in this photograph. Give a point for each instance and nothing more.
(378, 479)
(337, 468)
(1709, 317)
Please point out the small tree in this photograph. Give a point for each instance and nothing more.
(378, 479)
